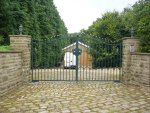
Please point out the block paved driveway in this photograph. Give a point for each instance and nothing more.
(72, 97)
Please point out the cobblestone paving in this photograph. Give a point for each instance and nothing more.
(72, 97)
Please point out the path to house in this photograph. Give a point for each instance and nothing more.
(72, 97)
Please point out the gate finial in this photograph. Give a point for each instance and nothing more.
(132, 32)
(20, 29)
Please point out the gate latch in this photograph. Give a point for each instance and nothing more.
(76, 51)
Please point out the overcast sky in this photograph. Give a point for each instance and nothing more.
(79, 14)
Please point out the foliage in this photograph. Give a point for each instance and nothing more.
(5, 48)
(138, 17)
(114, 26)
(39, 18)
(142, 10)
(109, 26)
(1, 39)
(106, 33)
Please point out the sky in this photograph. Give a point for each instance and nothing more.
(80, 14)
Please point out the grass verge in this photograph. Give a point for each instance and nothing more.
(5, 48)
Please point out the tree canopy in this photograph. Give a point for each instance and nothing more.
(115, 25)
(39, 18)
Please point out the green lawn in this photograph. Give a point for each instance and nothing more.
(5, 48)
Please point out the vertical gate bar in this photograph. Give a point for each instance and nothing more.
(37, 68)
(49, 71)
(66, 62)
(86, 58)
(40, 70)
(111, 61)
(103, 60)
(96, 60)
(36, 59)
(59, 63)
(64, 71)
(93, 58)
(69, 57)
(97, 71)
(108, 65)
(57, 49)
(32, 57)
(120, 60)
(45, 73)
(47, 67)
(80, 76)
(117, 62)
(79, 65)
(107, 61)
(77, 59)
(99, 67)
(56, 56)
(74, 73)
(42, 62)
(44, 59)
(114, 65)
(64, 44)
(100, 63)
(51, 60)
(86, 64)
(73, 59)
(60, 58)
(91, 51)
(54, 61)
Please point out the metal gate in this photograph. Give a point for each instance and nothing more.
(79, 57)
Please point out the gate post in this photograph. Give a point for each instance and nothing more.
(23, 43)
(130, 45)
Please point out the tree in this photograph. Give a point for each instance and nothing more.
(142, 11)
(109, 26)
(138, 17)
(39, 18)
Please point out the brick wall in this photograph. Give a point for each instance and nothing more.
(135, 66)
(15, 65)
(140, 69)
(23, 43)
(10, 71)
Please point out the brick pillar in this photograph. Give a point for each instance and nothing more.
(23, 43)
(130, 45)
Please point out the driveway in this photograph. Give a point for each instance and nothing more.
(72, 97)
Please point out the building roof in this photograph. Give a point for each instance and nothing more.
(75, 44)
